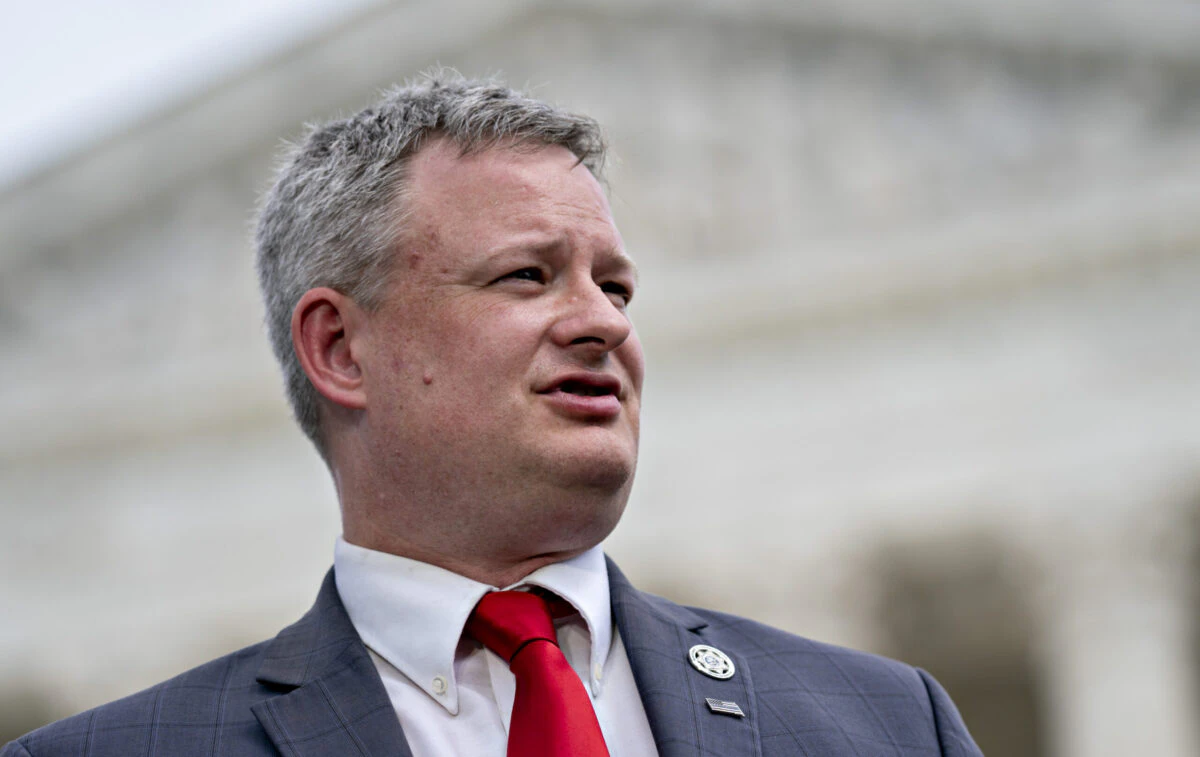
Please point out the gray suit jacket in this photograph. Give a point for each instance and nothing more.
(313, 690)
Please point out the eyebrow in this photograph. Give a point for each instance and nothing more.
(616, 258)
(623, 260)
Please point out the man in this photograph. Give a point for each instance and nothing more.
(447, 294)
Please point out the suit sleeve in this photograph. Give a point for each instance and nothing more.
(952, 733)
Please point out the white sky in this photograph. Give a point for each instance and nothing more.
(73, 71)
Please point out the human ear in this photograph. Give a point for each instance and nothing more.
(325, 324)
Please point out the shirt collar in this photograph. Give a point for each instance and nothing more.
(412, 613)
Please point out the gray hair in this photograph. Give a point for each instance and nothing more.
(333, 218)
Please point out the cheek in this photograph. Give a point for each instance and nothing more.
(634, 360)
(478, 347)
(499, 334)
(476, 361)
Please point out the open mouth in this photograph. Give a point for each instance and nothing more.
(587, 396)
(592, 390)
(585, 389)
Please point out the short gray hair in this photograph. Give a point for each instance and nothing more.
(333, 219)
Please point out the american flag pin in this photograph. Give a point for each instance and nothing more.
(725, 708)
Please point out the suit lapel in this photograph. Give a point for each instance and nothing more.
(335, 703)
(657, 635)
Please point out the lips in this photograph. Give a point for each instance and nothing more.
(584, 395)
(584, 384)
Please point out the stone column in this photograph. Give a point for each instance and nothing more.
(1117, 650)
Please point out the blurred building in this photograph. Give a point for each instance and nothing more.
(921, 300)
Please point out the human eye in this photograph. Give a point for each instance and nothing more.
(620, 292)
(529, 273)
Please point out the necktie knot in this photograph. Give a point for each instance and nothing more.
(505, 621)
(552, 715)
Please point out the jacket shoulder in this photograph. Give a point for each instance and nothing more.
(205, 710)
(761, 644)
(802, 683)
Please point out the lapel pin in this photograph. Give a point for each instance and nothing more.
(711, 661)
(725, 708)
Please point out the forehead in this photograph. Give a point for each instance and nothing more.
(506, 187)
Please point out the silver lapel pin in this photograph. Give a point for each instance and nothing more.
(711, 661)
(725, 708)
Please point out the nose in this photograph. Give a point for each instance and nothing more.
(590, 320)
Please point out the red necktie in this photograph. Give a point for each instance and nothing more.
(552, 715)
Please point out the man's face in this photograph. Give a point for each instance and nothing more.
(503, 359)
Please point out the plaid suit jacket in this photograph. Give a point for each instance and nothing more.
(313, 690)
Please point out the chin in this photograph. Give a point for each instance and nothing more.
(602, 476)
(604, 454)
(587, 521)
(604, 468)
(584, 492)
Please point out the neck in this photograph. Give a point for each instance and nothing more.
(495, 529)
(499, 572)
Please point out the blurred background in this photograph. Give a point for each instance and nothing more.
(921, 302)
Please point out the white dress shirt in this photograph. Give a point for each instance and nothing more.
(452, 695)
